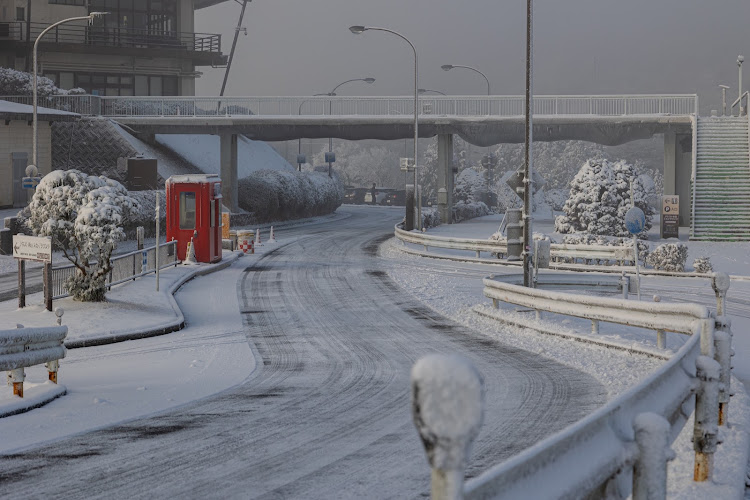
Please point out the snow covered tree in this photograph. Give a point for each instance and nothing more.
(668, 257)
(14, 82)
(83, 215)
(600, 197)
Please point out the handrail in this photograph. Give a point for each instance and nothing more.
(739, 101)
(594, 455)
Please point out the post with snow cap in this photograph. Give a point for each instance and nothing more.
(650, 470)
(635, 222)
(723, 356)
(706, 427)
(447, 406)
(720, 283)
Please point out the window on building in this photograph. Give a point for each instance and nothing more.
(116, 84)
(67, 2)
(187, 210)
(20, 14)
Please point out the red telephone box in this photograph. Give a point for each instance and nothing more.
(194, 211)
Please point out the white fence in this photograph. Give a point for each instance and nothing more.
(24, 347)
(623, 445)
(559, 252)
(601, 105)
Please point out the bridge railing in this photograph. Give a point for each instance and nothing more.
(599, 105)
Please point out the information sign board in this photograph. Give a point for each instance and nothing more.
(670, 216)
(407, 164)
(30, 182)
(32, 248)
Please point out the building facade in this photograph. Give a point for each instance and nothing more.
(141, 48)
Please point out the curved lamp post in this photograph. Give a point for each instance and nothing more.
(357, 30)
(330, 140)
(88, 18)
(424, 91)
(448, 67)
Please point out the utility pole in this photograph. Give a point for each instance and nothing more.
(234, 44)
(528, 167)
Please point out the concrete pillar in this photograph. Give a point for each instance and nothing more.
(678, 167)
(228, 161)
(445, 174)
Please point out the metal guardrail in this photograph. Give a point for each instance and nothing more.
(558, 251)
(24, 347)
(101, 36)
(125, 267)
(497, 106)
(597, 454)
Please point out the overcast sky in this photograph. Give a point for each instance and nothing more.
(304, 47)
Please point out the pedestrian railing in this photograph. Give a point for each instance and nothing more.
(621, 448)
(497, 106)
(24, 347)
(125, 267)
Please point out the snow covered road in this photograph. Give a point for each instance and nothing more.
(326, 413)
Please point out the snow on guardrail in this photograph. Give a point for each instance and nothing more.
(24, 347)
(629, 436)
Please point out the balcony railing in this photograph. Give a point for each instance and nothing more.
(101, 36)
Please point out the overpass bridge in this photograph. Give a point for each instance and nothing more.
(480, 120)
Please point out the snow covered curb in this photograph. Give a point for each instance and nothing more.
(167, 327)
(541, 327)
(35, 396)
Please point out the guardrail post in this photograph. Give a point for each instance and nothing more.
(720, 284)
(650, 470)
(661, 335)
(447, 407)
(723, 356)
(16, 377)
(706, 428)
(594, 326)
(52, 367)
(625, 284)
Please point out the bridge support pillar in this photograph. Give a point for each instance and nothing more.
(678, 168)
(445, 175)
(228, 161)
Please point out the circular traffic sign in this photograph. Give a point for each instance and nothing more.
(635, 220)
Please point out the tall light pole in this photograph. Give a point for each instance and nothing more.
(361, 29)
(330, 110)
(88, 18)
(448, 67)
(528, 163)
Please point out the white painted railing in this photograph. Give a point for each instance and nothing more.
(621, 448)
(24, 347)
(601, 105)
(558, 251)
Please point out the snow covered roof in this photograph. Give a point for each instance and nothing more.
(14, 110)
(193, 178)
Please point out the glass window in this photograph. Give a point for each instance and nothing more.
(113, 79)
(126, 80)
(212, 222)
(170, 85)
(141, 85)
(66, 80)
(187, 210)
(155, 86)
(20, 14)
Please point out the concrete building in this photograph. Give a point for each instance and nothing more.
(142, 47)
(16, 148)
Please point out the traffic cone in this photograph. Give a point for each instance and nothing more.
(271, 238)
(190, 254)
(257, 238)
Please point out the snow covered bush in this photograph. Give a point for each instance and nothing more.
(464, 211)
(430, 217)
(668, 257)
(469, 182)
(14, 82)
(83, 215)
(600, 197)
(279, 195)
(703, 265)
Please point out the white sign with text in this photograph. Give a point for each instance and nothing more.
(32, 248)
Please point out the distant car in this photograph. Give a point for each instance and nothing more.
(355, 196)
(395, 198)
(380, 194)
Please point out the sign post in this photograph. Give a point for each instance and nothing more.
(635, 222)
(38, 249)
(670, 216)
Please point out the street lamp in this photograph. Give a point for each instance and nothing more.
(330, 110)
(357, 30)
(448, 67)
(423, 91)
(88, 18)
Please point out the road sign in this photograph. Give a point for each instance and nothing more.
(301, 159)
(407, 164)
(32, 248)
(635, 220)
(330, 157)
(670, 216)
(30, 182)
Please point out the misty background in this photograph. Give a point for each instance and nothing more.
(304, 47)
